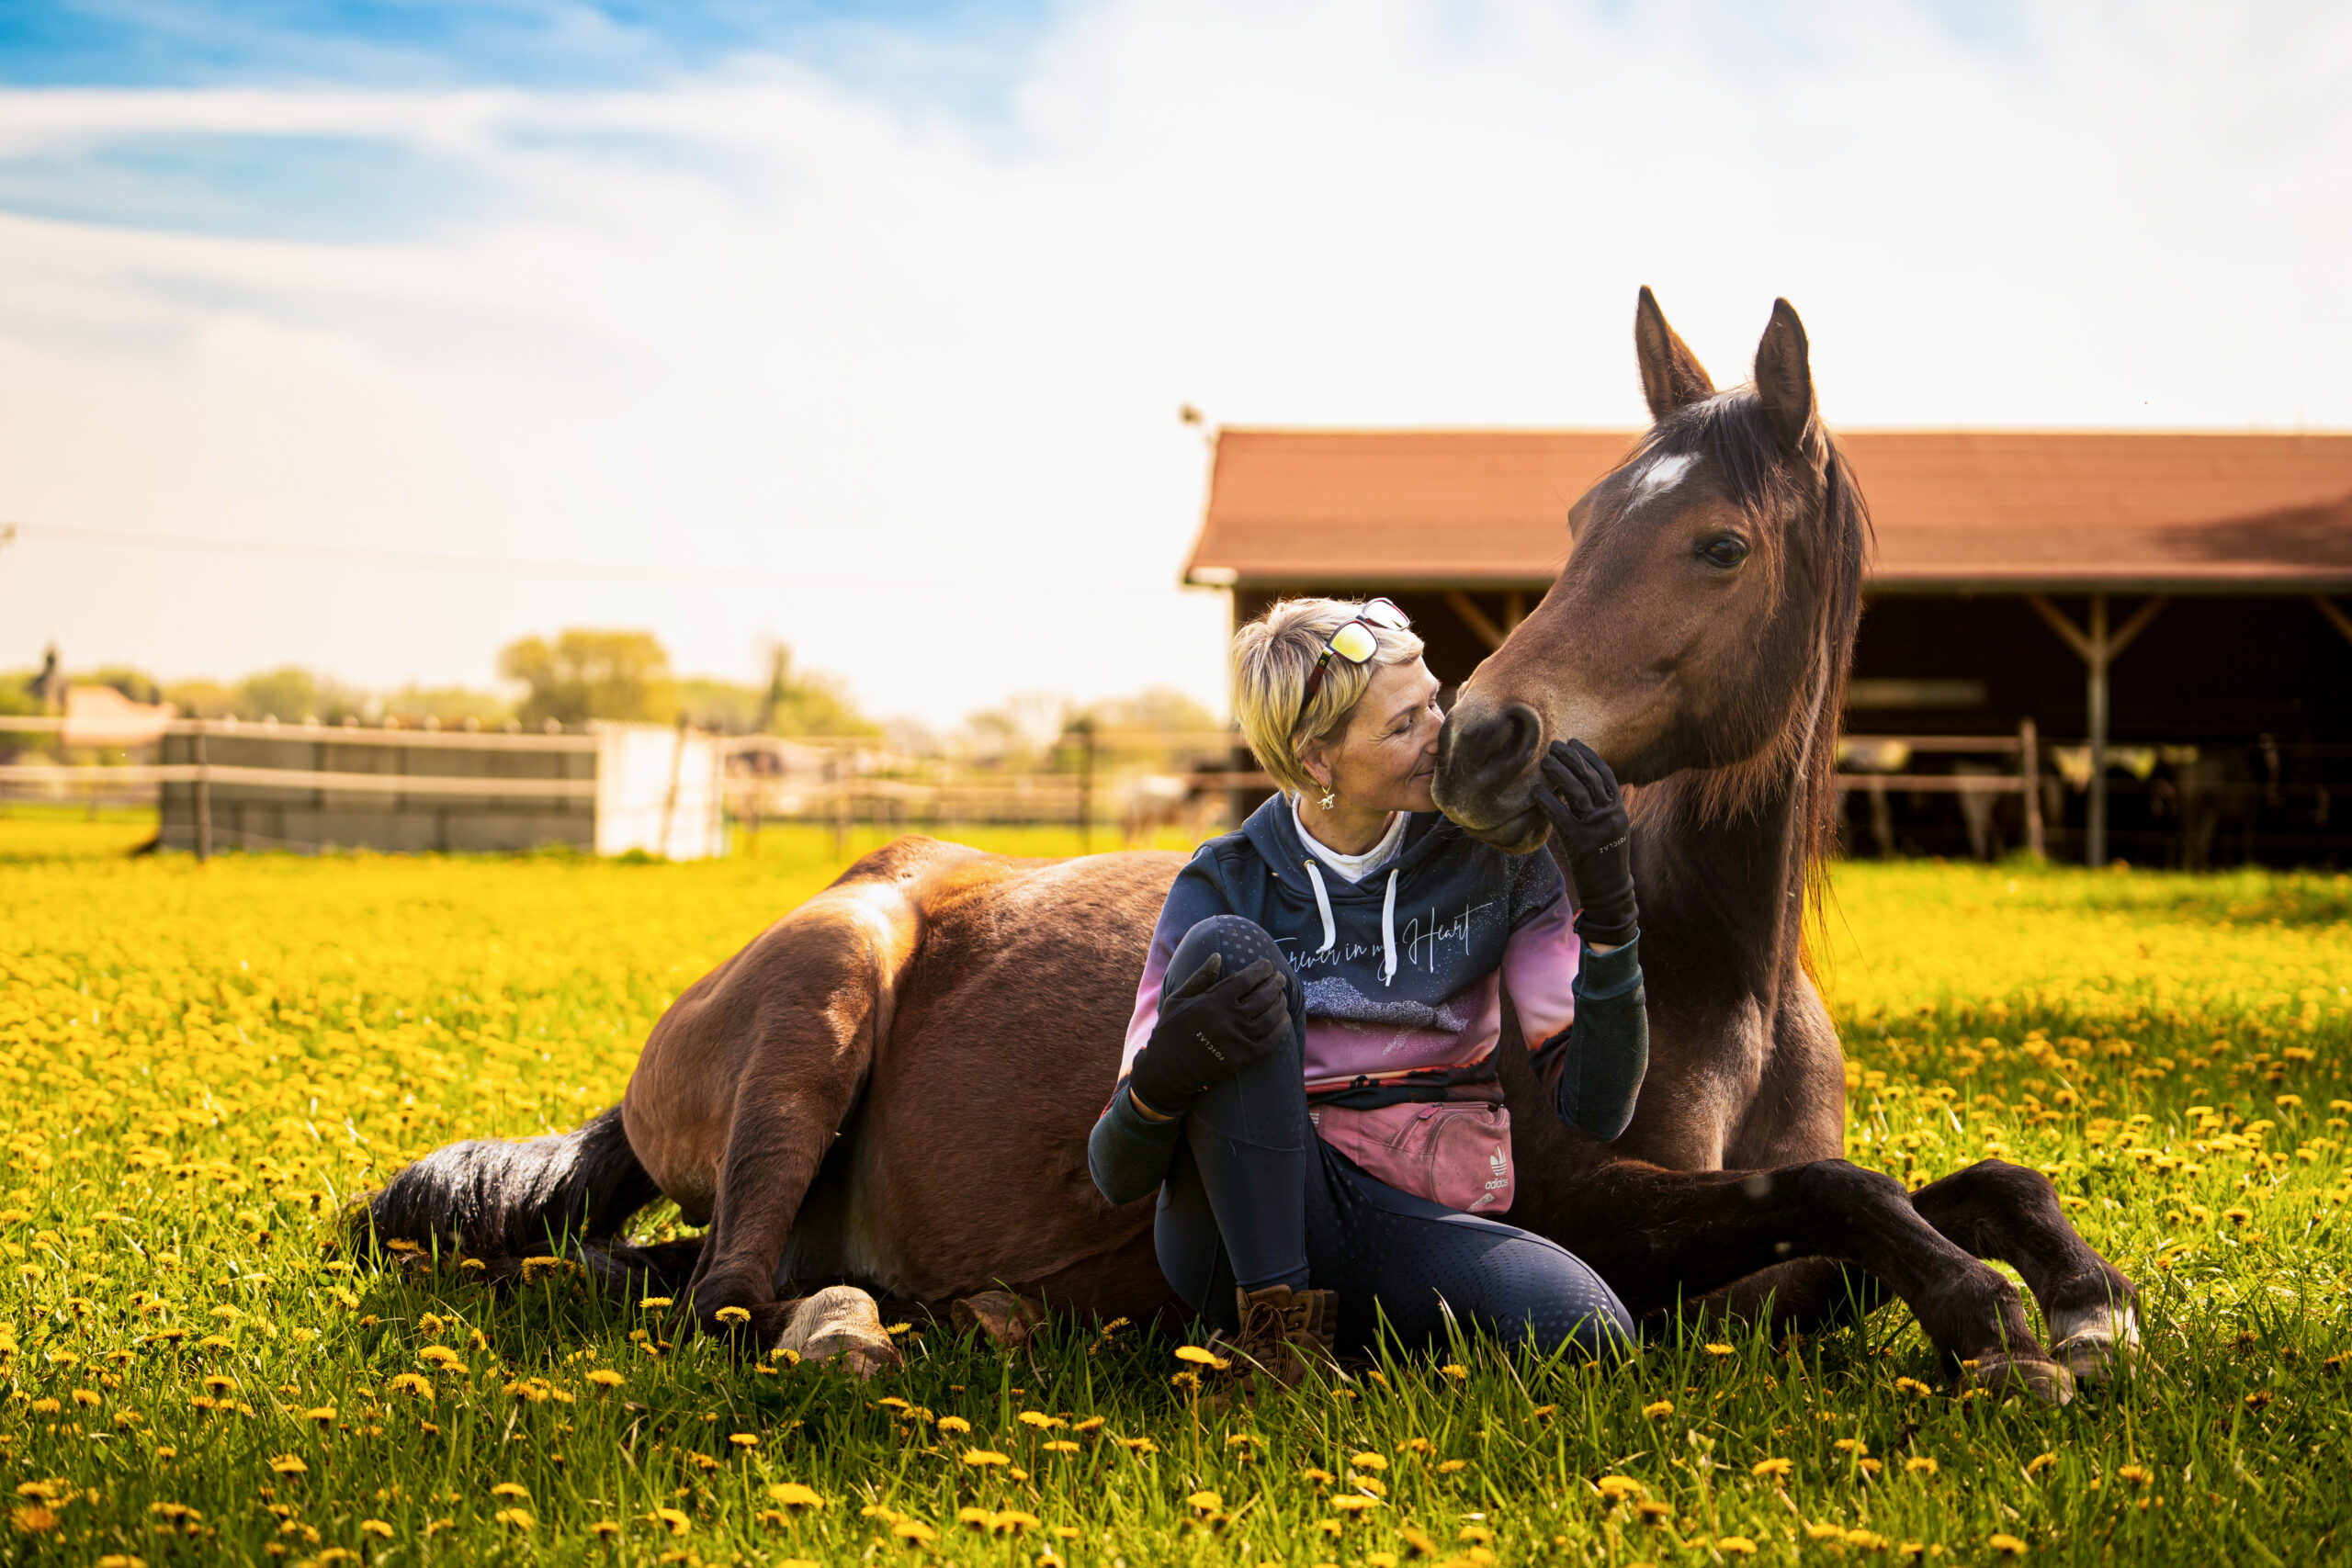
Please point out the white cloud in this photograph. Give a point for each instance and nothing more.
(915, 376)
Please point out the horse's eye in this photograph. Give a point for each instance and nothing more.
(1725, 550)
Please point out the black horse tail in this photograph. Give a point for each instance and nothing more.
(514, 1199)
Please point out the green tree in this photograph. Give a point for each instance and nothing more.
(586, 674)
(809, 702)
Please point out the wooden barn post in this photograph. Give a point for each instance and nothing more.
(2097, 650)
(2029, 782)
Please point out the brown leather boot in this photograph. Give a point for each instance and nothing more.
(1285, 1332)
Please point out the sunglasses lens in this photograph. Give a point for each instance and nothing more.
(1380, 613)
(1354, 642)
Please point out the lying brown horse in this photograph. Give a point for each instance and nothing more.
(893, 1085)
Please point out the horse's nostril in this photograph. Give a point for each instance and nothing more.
(1504, 744)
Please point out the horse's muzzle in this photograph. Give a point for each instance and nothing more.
(1486, 763)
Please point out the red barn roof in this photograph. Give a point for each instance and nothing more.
(1994, 510)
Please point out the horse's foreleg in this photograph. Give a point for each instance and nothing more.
(1675, 1236)
(1997, 1210)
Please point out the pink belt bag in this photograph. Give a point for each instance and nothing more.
(1452, 1152)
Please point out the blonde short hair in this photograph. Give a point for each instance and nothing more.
(1273, 657)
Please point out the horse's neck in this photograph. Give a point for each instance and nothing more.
(1723, 896)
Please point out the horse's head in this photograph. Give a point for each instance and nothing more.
(1706, 612)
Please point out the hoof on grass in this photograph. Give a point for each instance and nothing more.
(1008, 1320)
(2101, 1346)
(841, 1325)
(2036, 1377)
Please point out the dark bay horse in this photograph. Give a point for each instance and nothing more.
(893, 1085)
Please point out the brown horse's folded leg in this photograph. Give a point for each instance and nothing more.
(1007, 1319)
(1676, 1234)
(2003, 1211)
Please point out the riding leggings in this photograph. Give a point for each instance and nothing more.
(1253, 1197)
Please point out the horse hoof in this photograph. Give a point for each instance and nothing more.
(2100, 1346)
(1008, 1320)
(841, 1323)
(2034, 1376)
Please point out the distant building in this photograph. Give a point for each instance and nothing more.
(2185, 581)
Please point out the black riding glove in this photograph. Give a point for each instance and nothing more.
(1579, 794)
(1210, 1028)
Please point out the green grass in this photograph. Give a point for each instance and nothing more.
(204, 1062)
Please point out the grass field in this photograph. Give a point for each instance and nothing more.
(204, 1063)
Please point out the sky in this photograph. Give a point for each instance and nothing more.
(372, 336)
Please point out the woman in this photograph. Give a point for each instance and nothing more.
(1310, 1078)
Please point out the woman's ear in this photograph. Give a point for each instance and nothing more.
(1311, 758)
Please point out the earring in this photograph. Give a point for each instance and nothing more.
(1330, 799)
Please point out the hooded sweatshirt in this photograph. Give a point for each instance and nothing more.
(1404, 974)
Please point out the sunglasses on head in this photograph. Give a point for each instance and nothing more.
(1354, 641)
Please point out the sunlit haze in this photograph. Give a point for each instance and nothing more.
(869, 330)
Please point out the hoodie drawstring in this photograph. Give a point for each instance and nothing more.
(1323, 908)
(1388, 933)
(1387, 921)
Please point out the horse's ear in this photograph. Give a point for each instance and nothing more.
(1784, 378)
(1671, 374)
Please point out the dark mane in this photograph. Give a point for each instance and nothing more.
(1807, 512)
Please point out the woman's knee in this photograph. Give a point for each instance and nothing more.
(1552, 1297)
(1237, 941)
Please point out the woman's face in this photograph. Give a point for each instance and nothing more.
(1386, 755)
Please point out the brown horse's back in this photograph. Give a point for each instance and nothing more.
(965, 1012)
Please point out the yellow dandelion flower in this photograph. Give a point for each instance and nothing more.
(1012, 1521)
(985, 1458)
(796, 1494)
(915, 1530)
(1206, 1502)
(1091, 1424)
(604, 1527)
(1654, 1513)
(952, 1424)
(219, 1384)
(1319, 1476)
(1657, 1409)
(1353, 1503)
(2138, 1474)
(655, 1303)
(324, 1414)
(977, 1518)
(378, 1527)
(744, 1440)
(34, 1519)
(1137, 1446)
(1452, 1466)
(604, 1377)
(87, 1397)
(516, 1519)
(1060, 1446)
(1919, 1464)
(1039, 1419)
(288, 1464)
(732, 1314)
(1737, 1545)
(411, 1384)
(1200, 1357)
(1775, 1469)
(2040, 1462)
(1866, 1540)
(1477, 1535)
(2006, 1545)
(1369, 1461)
(511, 1489)
(670, 1519)
(1720, 1350)
(1455, 1371)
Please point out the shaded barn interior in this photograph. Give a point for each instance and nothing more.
(2193, 585)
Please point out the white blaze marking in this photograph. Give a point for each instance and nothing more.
(1662, 476)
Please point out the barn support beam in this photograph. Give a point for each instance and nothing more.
(2098, 647)
(1478, 621)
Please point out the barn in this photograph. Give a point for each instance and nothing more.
(2120, 645)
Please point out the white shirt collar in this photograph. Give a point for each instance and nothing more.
(1355, 868)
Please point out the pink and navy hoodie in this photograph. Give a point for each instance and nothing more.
(1404, 974)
